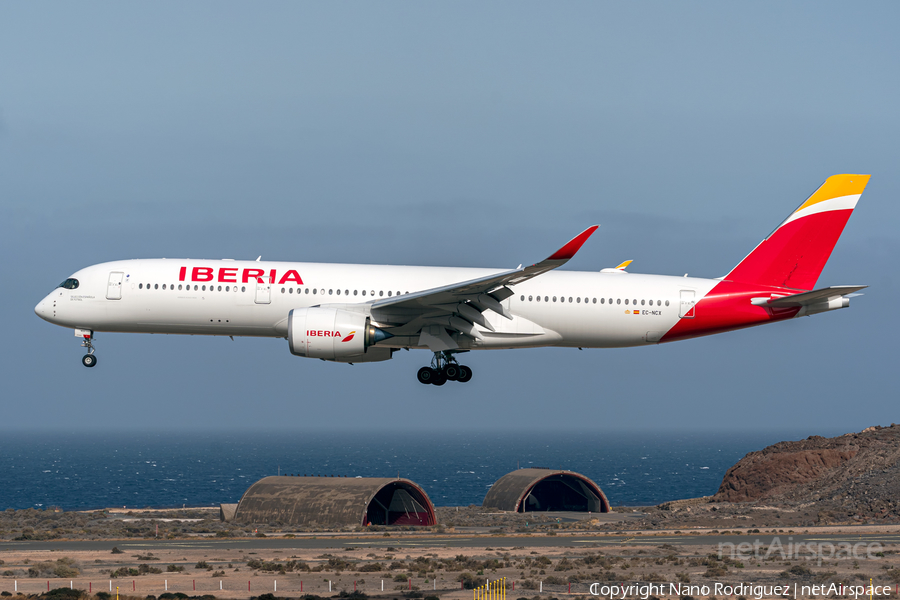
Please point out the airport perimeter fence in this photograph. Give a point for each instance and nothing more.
(496, 589)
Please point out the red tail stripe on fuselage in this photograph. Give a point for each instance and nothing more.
(727, 307)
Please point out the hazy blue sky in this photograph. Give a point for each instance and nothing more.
(476, 134)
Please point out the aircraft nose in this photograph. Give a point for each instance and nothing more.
(43, 309)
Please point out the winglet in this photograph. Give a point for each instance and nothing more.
(624, 265)
(574, 245)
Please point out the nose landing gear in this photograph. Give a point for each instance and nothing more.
(88, 360)
(444, 368)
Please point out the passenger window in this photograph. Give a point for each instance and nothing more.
(346, 292)
(642, 303)
(521, 298)
(579, 300)
(227, 288)
(315, 290)
(243, 288)
(531, 298)
(140, 286)
(329, 292)
(602, 300)
(635, 302)
(390, 293)
(339, 292)
(667, 302)
(626, 301)
(595, 301)
(204, 288)
(381, 292)
(364, 292)
(219, 288)
(307, 291)
(155, 286)
(570, 298)
(659, 302)
(538, 298)
(619, 301)
(355, 292)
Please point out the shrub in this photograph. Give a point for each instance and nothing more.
(64, 594)
(796, 570)
(175, 569)
(203, 565)
(116, 550)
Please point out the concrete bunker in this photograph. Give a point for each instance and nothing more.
(329, 501)
(546, 490)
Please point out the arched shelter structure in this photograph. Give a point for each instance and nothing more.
(530, 490)
(328, 501)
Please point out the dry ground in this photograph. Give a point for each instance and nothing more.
(651, 556)
(434, 571)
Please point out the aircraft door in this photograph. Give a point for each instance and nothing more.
(114, 286)
(263, 293)
(687, 305)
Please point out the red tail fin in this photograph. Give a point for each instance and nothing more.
(795, 253)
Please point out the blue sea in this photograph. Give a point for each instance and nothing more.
(455, 469)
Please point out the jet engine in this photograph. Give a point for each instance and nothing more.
(333, 334)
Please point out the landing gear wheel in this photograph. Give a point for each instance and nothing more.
(452, 372)
(425, 375)
(465, 374)
(439, 379)
(89, 360)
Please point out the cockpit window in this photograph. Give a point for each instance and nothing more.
(69, 284)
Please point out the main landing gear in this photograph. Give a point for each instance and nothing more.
(444, 368)
(88, 360)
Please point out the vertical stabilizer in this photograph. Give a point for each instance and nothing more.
(795, 253)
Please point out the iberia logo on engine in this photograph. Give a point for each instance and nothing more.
(326, 333)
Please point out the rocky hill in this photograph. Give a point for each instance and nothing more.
(853, 477)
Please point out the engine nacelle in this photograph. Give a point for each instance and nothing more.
(331, 334)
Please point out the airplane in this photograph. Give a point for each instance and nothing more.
(358, 313)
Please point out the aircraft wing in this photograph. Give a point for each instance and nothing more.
(458, 306)
(808, 298)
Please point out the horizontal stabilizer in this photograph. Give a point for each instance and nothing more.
(809, 298)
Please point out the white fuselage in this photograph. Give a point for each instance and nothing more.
(251, 298)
